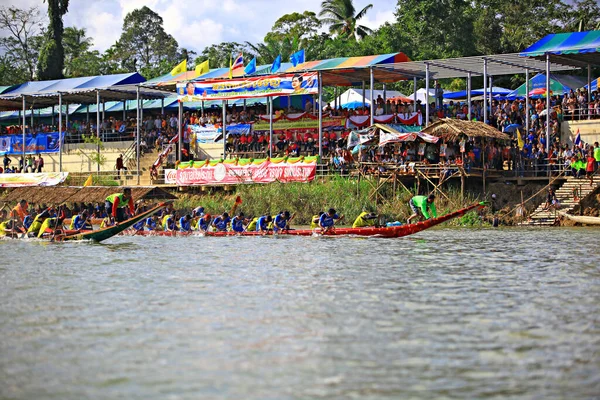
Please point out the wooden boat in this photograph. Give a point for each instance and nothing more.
(582, 219)
(384, 232)
(108, 232)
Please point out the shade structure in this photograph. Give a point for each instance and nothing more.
(355, 95)
(462, 94)
(559, 85)
(574, 48)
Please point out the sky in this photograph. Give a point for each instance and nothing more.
(197, 24)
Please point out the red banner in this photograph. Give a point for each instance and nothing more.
(264, 172)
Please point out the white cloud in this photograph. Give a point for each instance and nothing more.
(196, 24)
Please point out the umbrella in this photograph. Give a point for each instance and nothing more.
(539, 92)
(511, 128)
(401, 99)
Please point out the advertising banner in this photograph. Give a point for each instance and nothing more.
(38, 143)
(41, 179)
(251, 87)
(211, 133)
(245, 171)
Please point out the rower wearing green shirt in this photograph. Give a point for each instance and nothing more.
(419, 206)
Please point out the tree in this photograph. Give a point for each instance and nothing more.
(144, 46)
(294, 29)
(52, 57)
(219, 55)
(341, 18)
(80, 60)
(583, 15)
(21, 46)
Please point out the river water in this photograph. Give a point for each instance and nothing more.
(447, 313)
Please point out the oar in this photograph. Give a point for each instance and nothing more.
(238, 201)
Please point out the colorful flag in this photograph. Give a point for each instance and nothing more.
(180, 68)
(239, 62)
(578, 141)
(251, 67)
(297, 58)
(520, 140)
(202, 68)
(88, 181)
(276, 64)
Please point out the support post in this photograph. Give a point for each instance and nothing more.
(180, 130)
(548, 103)
(321, 115)
(415, 94)
(384, 98)
(202, 108)
(87, 115)
(485, 82)
(124, 110)
(162, 106)
(371, 84)
(97, 122)
(60, 138)
(270, 101)
(24, 143)
(364, 93)
(469, 88)
(67, 116)
(526, 102)
(224, 129)
(589, 91)
(137, 139)
(491, 95)
(244, 105)
(52, 116)
(427, 94)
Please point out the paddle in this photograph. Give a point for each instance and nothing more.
(238, 201)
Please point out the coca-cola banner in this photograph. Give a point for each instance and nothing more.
(301, 169)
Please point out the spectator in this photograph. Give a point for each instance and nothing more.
(119, 165)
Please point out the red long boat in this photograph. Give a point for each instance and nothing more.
(384, 232)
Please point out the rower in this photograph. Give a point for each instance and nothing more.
(419, 206)
(204, 223)
(151, 222)
(314, 221)
(6, 227)
(19, 212)
(51, 225)
(327, 220)
(117, 202)
(262, 225)
(81, 221)
(107, 221)
(38, 221)
(252, 224)
(198, 212)
(237, 223)
(281, 221)
(185, 223)
(365, 219)
(221, 222)
(168, 222)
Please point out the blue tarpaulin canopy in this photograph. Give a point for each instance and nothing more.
(476, 92)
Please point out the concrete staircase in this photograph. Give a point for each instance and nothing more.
(567, 201)
(146, 161)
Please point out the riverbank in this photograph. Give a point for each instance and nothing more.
(350, 197)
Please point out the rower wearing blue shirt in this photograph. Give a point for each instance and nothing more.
(198, 212)
(221, 222)
(151, 223)
(139, 226)
(281, 221)
(168, 222)
(185, 223)
(237, 223)
(327, 221)
(204, 223)
(80, 221)
(262, 225)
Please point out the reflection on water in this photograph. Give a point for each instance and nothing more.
(443, 314)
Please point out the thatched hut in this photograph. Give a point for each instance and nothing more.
(451, 129)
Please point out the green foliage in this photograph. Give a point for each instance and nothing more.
(52, 58)
(219, 55)
(342, 18)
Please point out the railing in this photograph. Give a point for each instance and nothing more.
(581, 113)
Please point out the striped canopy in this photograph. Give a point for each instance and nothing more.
(565, 43)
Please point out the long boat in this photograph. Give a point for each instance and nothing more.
(382, 232)
(582, 219)
(100, 235)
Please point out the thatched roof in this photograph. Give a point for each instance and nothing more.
(76, 194)
(451, 129)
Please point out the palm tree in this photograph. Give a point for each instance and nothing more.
(341, 18)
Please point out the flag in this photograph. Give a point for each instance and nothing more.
(297, 58)
(276, 64)
(520, 140)
(202, 68)
(230, 68)
(251, 67)
(88, 181)
(180, 68)
(239, 62)
(578, 141)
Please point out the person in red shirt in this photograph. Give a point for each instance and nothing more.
(333, 138)
(590, 167)
(243, 140)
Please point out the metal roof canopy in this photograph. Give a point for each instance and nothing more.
(10, 102)
(498, 64)
(579, 49)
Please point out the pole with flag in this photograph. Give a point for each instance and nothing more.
(88, 181)
(297, 58)
(238, 62)
(520, 140)
(276, 64)
(251, 67)
(180, 68)
(577, 142)
(202, 68)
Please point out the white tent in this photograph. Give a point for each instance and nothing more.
(355, 95)
(421, 95)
